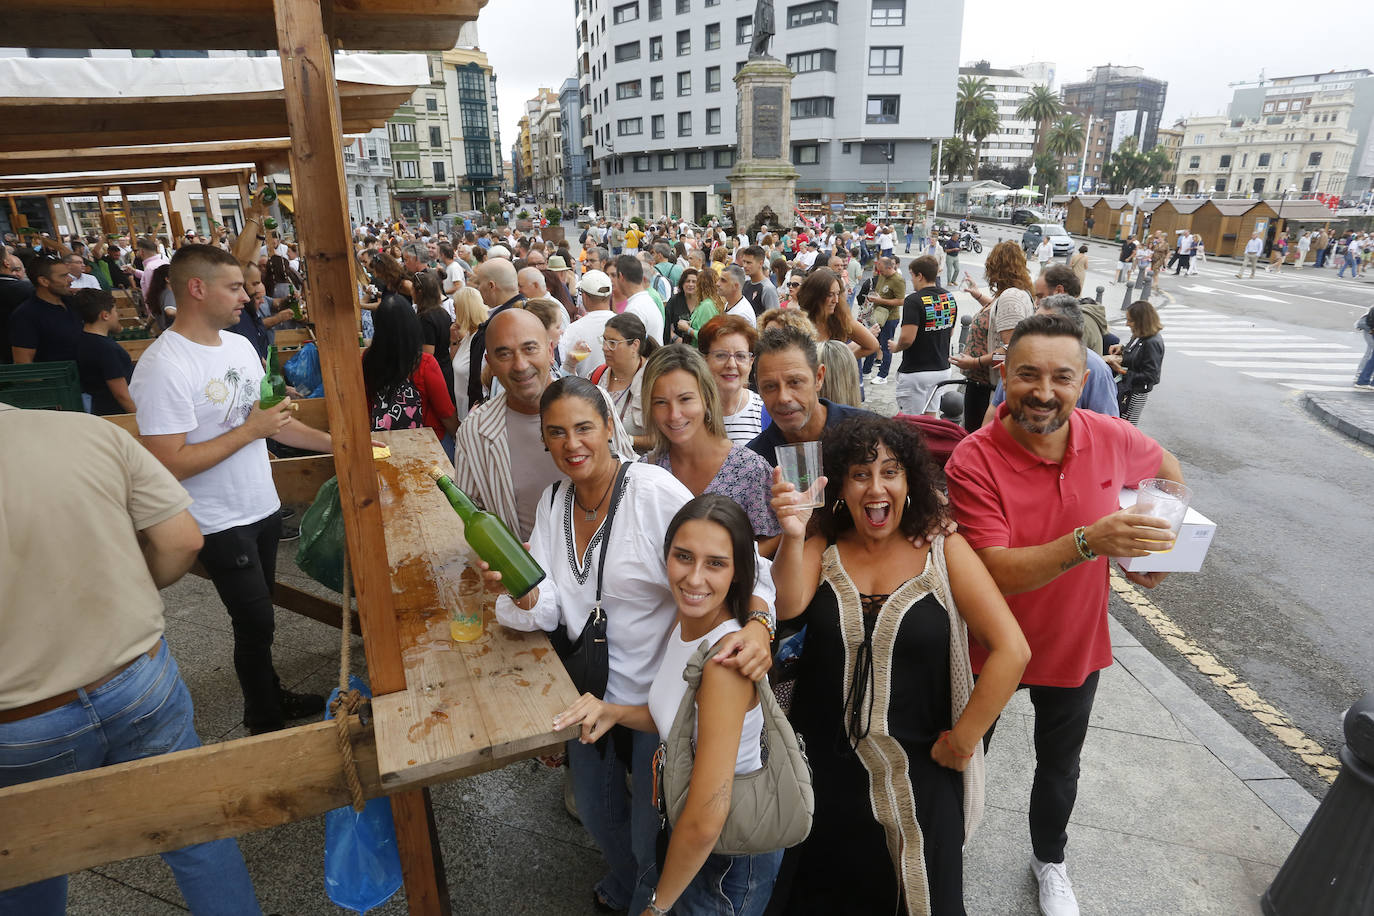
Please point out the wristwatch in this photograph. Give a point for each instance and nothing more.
(653, 905)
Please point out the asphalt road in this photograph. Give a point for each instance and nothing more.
(1284, 598)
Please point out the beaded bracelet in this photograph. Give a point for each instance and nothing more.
(1080, 541)
(766, 619)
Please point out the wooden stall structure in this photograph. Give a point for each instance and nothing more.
(1175, 215)
(1226, 225)
(1078, 209)
(1107, 213)
(1298, 216)
(442, 709)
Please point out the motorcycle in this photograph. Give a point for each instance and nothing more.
(968, 241)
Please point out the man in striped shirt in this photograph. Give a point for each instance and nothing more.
(500, 459)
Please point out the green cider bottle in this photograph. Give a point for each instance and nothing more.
(272, 390)
(492, 540)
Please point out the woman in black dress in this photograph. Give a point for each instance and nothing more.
(884, 696)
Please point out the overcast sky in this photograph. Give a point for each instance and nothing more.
(1198, 46)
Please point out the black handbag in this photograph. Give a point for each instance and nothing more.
(587, 659)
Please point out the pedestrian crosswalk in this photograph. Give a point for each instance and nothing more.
(1273, 354)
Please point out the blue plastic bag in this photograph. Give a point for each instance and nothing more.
(303, 371)
(362, 868)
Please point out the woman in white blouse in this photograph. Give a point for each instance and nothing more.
(568, 540)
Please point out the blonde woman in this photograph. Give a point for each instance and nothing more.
(469, 311)
(787, 317)
(841, 384)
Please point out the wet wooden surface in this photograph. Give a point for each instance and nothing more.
(468, 706)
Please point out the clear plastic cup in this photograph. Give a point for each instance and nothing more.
(1166, 499)
(801, 467)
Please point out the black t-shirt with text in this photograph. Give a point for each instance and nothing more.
(933, 311)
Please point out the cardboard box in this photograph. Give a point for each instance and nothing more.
(1189, 550)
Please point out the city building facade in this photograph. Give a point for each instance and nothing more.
(1082, 169)
(423, 185)
(1130, 102)
(1014, 143)
(367, 171)
(475, 135)
(659, 102)
(546, 145)
(1283, 100)
(1170, 139)
(1305, 152)
(575, 183)
(524, 156)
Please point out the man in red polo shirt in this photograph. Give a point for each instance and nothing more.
(1035, 493)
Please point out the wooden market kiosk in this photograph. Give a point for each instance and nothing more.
(442, 710)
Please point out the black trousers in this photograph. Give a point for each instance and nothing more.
(976, 399)
(242, 562)
(1184, 263)
(1061, 725)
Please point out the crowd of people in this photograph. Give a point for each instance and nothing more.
(628, 396)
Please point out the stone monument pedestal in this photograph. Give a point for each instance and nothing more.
(763, 177)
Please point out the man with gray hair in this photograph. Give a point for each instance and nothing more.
(731, 285)
(415, 257)
(1099, 391)
(530, 281)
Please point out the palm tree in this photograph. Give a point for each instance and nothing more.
(1065, 136)
(1040, 106)
(956, 158)
(981, 123)
(973, 92)
(1047, 170)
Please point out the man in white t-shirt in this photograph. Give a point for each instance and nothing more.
(197, 390)
(455, 276)
(629, 284)
(581, 341)
(731, 285)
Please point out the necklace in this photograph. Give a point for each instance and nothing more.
(590, 514)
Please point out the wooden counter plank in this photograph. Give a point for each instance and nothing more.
(467, 706)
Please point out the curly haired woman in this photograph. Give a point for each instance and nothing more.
(1006, 301)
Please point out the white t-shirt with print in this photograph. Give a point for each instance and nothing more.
(185, 387)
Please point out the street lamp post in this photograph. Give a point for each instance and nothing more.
(1278, 220)
(1032, 176)
(887, 180)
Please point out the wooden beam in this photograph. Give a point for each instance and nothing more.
(312, 606)
(166, 802)
(313, 114)
(158, 155)
(377, 25)
(299, 479)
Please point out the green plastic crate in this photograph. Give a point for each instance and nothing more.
(45, 386)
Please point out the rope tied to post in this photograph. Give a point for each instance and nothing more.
(349, 702)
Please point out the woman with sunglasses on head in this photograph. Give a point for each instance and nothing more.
(885, 694)
(821, 296)
(625, 346)
(570, 539)
(727, 341)
(685, 424)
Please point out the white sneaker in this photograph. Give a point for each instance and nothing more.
(1056, 893)
(879, 380)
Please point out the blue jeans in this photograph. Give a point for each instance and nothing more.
(908, 243)
(1348, 261)
(1365, 374)
(143, 712)
(624, 827)
(731, 886)
(884, 335)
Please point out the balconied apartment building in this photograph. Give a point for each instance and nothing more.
(658, 100)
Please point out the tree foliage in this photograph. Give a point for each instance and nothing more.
(1129, 168)
(973, 92)
(981, 123)
(1040, 106)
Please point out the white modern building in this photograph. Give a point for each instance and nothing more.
(367, 166)
(872, 92)
(1014, 144)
